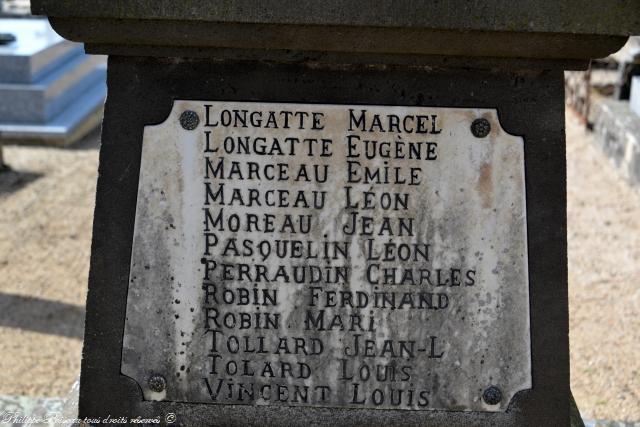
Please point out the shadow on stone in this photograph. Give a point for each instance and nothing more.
(40, 315)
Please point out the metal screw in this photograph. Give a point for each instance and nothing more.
(157, 383)
(492, 395)
(189, 120)
(480, 128)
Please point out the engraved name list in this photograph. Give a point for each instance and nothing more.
(329, 255)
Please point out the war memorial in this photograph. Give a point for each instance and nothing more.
(340, 213)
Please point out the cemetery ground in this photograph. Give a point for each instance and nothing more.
(46, 209)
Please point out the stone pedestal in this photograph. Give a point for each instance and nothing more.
(491, 74)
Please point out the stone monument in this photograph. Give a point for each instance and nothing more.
(332, 213)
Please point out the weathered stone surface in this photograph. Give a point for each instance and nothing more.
(574, 30)
(569, 16)
(445, 220)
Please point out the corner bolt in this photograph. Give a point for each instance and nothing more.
(189, 120)
(480, 128)
(157, 383)
(492, 395)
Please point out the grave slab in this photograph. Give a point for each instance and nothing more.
(50, 91)
(44, 99)
(78, 119)
(37, 50)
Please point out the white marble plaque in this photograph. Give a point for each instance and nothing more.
(330, 255)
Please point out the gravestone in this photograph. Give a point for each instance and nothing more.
(50, 91)
(337, 213)
(617, 134)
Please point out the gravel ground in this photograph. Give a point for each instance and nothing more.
(46, 209)
(45, 231)
(604, 282)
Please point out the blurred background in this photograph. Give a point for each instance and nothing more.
(51, 98)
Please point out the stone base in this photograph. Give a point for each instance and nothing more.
(75, 122)
(45, 99)
(618, 135)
